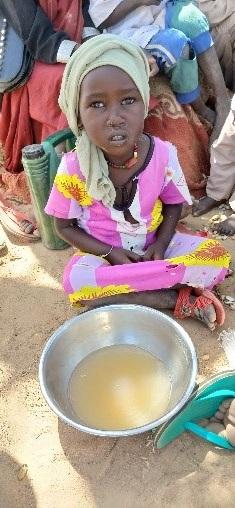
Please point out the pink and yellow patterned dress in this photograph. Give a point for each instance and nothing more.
(192, 260)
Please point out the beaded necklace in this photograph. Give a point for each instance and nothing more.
(129, 163)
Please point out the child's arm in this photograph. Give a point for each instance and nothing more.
(77, 237)
(123, 9)
(165, 232)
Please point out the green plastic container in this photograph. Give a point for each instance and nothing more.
(40, 164)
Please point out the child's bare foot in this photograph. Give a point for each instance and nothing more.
(226, 227)
(204, 205)
(203, 306)
(207, 315)
(223, 423)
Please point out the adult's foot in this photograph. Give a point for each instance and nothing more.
(223, 423)
(204, 205)
(26, 227)
(226, 227)
(17, 223)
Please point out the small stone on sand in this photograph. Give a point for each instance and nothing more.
(22, 472)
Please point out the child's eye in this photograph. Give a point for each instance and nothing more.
(128, 100)
(97, 104)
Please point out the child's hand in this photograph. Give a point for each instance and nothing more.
(153, 67)
(154, 252)
(120, 256)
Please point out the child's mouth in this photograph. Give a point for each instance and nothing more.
(117, 139)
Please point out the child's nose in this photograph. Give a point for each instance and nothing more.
(114, 118)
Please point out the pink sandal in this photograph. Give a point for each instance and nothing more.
(184, 308)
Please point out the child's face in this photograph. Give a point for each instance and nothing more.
(111, 110)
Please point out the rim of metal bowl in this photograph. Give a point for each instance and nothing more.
(126, 432)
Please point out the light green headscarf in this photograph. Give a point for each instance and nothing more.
(98, 51)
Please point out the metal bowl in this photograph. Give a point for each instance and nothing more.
(136, 325)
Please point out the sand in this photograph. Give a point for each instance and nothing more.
(46, 464)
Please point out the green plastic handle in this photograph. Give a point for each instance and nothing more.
(60, 136)
(212, 437)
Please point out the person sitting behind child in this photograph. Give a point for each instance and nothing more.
(221, 182)
(176, 35)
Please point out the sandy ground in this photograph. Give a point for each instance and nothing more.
(46, 464)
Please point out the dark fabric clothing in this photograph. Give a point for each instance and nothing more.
(86, 16)
(35, 28)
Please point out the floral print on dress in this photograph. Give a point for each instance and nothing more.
(209, 253)
(91, 293)
(72, 187)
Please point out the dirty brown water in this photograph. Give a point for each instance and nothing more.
(119, 387)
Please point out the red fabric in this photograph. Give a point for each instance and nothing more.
(181, 228)
(65, 15)
(31, 113)
(14, 187)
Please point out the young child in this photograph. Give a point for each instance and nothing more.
(221, 182)
(176, 34)
(118, 197)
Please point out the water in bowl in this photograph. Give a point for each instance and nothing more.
(119, 387)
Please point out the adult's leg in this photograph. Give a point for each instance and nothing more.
(210, 66)
(221, 181)
(185, 16)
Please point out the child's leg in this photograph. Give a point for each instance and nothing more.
(185, 16)
(175, 56)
